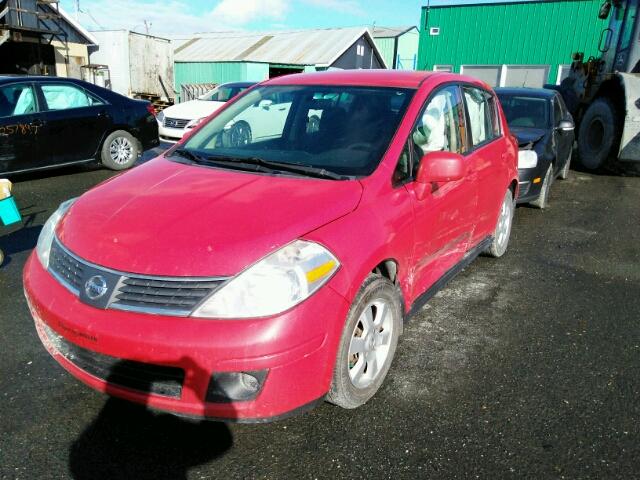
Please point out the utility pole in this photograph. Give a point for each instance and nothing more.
(77, 2)
(147, 26)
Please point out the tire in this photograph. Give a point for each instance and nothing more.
(599, 134)
(365, 352)
(502, 232)
(542, 201)
(120, 150)
(1, 257)
(564, 173)
(240, 134)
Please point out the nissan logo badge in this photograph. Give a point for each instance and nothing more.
(96, 287)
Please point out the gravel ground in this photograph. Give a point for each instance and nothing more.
(524, 367)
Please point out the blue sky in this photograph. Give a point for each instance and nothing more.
(177, 17)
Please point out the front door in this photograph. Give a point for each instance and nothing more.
(562, 140)
(74, 122)
(19, 130)
(445, 213)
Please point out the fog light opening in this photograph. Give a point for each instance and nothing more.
(226, 387)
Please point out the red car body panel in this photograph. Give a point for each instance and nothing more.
(165, 218)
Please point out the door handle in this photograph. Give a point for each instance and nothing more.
(103, 114)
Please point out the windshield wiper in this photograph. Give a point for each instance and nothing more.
(188, 154)
(299, 168)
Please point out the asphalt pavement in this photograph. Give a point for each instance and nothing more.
(522, 367)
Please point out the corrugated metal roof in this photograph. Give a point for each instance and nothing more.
(300, 47)
(390, 32)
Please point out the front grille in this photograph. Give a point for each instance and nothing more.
(182, 295)
(177, 296)
(143, 377)
(175, 122)
(67, 269)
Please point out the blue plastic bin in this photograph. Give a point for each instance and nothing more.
(9, 213)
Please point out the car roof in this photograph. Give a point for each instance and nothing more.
(237, 84)
(369, 78)
(526, 92)
(5, 78)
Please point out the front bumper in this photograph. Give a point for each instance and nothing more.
(171, 135)
(297, 349)
(528, 190)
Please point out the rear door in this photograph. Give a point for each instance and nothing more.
(74, 122)
(487, 158)
(19, 129)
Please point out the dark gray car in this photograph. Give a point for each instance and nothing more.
(545, 130)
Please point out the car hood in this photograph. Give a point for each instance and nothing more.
(528, 136)
(192, 109)
(166, 218)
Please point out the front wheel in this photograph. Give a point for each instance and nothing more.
(502, 232)
(120, 150)
(368, 343)
(542, 201)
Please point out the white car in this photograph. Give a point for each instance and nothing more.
(177, 120)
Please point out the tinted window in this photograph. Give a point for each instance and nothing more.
(525, 112)
(481, 115)
(557, 112)
(222, 94)
(60, 96)
(17, 99)
(342, 129)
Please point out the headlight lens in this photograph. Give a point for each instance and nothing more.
(195, 122)
(274, 284)
(527, 159)
(160, 117)
(43, 248)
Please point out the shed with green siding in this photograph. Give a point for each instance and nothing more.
(509, 43)
(222, 57)
(398, 46)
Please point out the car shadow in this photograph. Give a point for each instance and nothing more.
(130, 441)
(23, 239)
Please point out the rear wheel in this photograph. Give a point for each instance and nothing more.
(368, 343)
(120, 150)
(502, 232)
(599, 134)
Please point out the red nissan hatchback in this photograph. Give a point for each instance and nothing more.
(268, 261)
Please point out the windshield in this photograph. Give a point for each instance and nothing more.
(525, 112)
(344, 130)
(222, 94)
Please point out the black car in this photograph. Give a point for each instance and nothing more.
(545, 131)
(47, 122)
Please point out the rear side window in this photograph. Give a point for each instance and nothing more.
(17, 99)
(61, 96)
(557, 111)
(483, 115)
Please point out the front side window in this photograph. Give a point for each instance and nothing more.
(342, 129)
(482, 117)
(61, 96)
(440, 127)
(557, 112)
(17, 99)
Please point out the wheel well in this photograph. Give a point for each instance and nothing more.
(514, 189)
(388, 269)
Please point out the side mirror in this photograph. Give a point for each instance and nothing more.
(566, 126)
(265, 104)
(440, 167)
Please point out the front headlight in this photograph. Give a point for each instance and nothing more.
(160, 117)
(43, 248)
(527, 159)
(274, 284)
(195, 122)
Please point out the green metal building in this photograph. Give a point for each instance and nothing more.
(509, 43)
